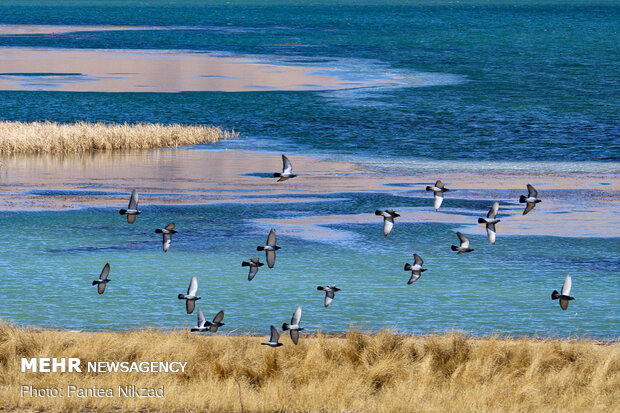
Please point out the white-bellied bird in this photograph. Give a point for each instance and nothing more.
(190, 298)
(254, 264)
(490, 221)
(270, 249)
(274, 338)
(167, 235)
(330, 293)
(132, 208)
(287, 170)
(464, 246)
(294, 327)
(564, 296)
(416, 269)
(388, 219)
(103, 279)
(438, 189)
(531, 199)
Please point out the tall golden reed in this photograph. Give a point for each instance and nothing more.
(52, 137)
(381, 372)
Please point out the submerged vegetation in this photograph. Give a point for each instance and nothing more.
(51, 137)
(355, 372)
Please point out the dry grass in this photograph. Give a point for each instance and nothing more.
(51, 137)
(383, 372)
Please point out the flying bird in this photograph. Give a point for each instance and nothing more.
(254, 263)
(202, 321)
(388, 219)
(416, 269)
(103, 279)
(216, 323)
(190, 298)
(531, 199)
(273, 339)
(330, 291)
(564, 296)
(294, 327)
(490, 221)
(438, 190)
(167, 235)
(287, 170)
(270, 249)
(132, 209)
(464, 247)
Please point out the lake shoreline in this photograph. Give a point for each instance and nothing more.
(183, 176)
(446, 371)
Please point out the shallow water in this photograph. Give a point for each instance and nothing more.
(54, 256)
(482, 89)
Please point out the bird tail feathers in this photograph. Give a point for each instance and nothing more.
(94, 282)
(481, 221)
(285, 327)
(260, 248)
(245, 264)
(454, 248)
(158, 231)
(276, 174)
(123, 211)
(407, 267)
(181, 296)
(522, 199)
(377, 212)
(555, 295)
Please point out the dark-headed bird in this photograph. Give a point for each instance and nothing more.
(490, 221)
(564, 296)
(287, 170)
(330, 293)
(190, 298)
(274, 339)
(388, 219)
(103, 279)
(167, 235)
(202, 321)
(464, 247)
(254, 263)
(294, 327)
(438, 190)
(270, 249)
(216, 323)
(132, 208)
(531, 199)
(416, 269)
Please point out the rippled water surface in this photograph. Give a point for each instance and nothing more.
(490, 88)
(52, 257)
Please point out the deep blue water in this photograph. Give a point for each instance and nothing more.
(535, 83)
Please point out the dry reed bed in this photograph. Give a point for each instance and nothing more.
(383, 372)
(51, 137)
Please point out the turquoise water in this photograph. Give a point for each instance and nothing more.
(54, 256)
(535, 84)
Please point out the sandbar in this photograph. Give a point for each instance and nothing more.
(577, 205)
(106, 70)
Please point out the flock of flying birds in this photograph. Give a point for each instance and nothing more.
(271, 247)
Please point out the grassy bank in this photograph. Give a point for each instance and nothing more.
(51, 137)
(367, 373)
